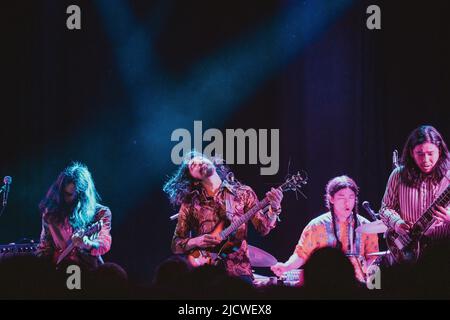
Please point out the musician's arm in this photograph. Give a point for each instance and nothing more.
(390, 203)
(181, 241)
(101, 244)
(309, 241)
(263, 222)
(370, 246)
(301, 253)
(294, 262)
(46, 246)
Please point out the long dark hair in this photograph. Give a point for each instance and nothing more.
(86, 200)
(181, 187)
(410, 173)
(333, 186)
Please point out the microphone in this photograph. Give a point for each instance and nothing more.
(366, 206)
(7, 181)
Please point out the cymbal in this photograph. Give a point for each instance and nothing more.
(373, 227)
(260, 277)
(260, 258)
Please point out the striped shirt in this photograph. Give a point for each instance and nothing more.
(409, 203)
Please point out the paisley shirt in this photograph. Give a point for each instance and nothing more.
(203, 215)
(55, 237)
(319, 233)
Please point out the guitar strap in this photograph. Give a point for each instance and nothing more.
(229, 209)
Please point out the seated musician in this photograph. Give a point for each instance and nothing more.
(335, 228)
(72, 204)
(206, 197)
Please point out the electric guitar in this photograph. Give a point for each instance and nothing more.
(407, 248)
(94, 228)
(225, 229)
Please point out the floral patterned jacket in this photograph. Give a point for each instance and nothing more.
(202, 216)
(55, 236)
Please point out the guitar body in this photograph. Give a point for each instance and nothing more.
(67, 254)
(212, 256)
(404, 249)
(407, 248)
(67, 261)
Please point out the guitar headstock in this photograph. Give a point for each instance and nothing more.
(295, 182)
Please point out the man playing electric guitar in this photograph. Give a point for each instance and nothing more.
(208, 196)
(71, 205)
(414, 191)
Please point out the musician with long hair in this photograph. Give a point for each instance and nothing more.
(70, 205)
(207, 194)
(423, 174)
(336, 228)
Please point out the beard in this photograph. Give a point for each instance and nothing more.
(207, 171)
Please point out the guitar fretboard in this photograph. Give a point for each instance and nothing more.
(245, 217)
(427, 219)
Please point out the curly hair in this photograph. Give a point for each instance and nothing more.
(410, 173)
(181, 187)
(86, 201)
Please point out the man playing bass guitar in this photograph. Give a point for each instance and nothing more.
(415, 205)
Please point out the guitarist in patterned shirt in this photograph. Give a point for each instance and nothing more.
(202, 188)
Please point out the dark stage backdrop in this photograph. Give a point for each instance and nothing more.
(110, 95)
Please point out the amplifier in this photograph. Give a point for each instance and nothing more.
(14, 248)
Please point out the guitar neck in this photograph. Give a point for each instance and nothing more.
(427, 219)
(292, 183)
(66, 252)
(70, 245)
(244, 218)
